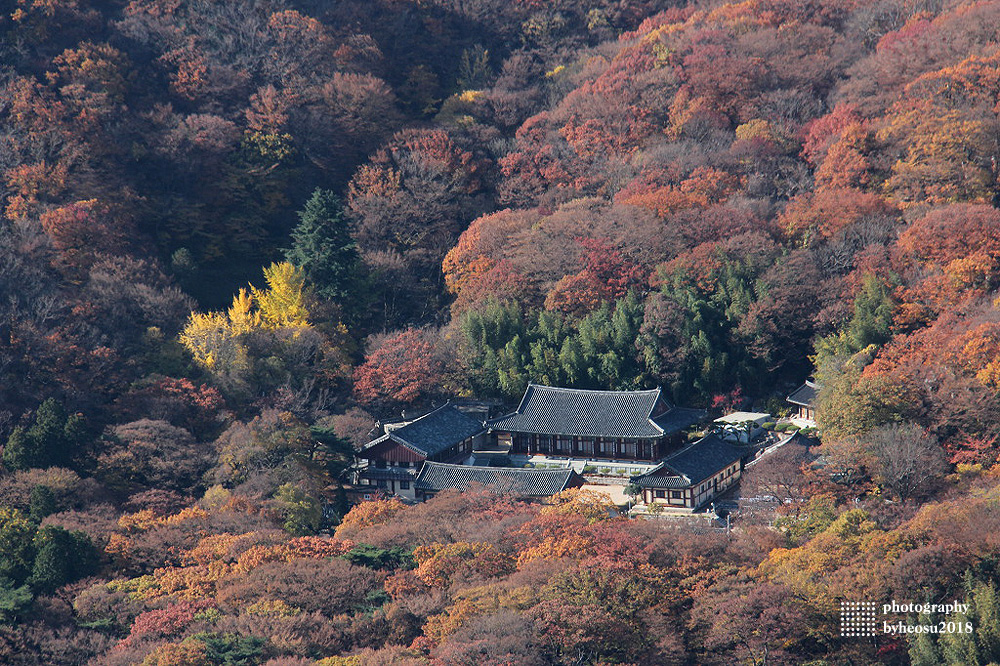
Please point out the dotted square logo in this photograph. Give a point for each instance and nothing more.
(857, 618)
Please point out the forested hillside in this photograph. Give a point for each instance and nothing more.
(237, 232)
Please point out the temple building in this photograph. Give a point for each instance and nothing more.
(612, 425)
(515, 481)
(391, 462)
(804, 400)
(693, 476)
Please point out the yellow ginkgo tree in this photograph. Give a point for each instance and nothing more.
(282, 303)
(258, 321)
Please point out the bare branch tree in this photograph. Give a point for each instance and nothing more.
(905, 459)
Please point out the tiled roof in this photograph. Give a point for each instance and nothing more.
(804, 395)
(386, 474)
(676, 419)
(692, 465)
(503, 480)
(433, 432)
(647, 481)
(547, 410)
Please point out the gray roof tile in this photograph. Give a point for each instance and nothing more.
(549, 410)
(676, 419)
(433, 432)
(387, 474)
(692, 465)
(804, 395)
(503, 480)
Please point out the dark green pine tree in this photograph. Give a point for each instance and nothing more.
(52, 440)
(340, 504)
(14, 601)
(62, 557)
(21, 451)
(42, 503)
(231, 649)
(337, 451)
(323, 247)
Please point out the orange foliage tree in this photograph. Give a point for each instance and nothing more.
(607, 275)
(402, 369)
(947, 125)
(368, 514)
(438, 563)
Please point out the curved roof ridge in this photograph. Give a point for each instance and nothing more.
(533, 470)
(556, 410)
(579, 390)
(429, 436)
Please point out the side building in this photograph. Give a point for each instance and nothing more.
(693, 476)
(741, 427)
(576, 423)
(515, 481)
(391, 461)
(804, 400)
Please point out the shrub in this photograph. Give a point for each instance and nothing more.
(364, 555)
(231, 649)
